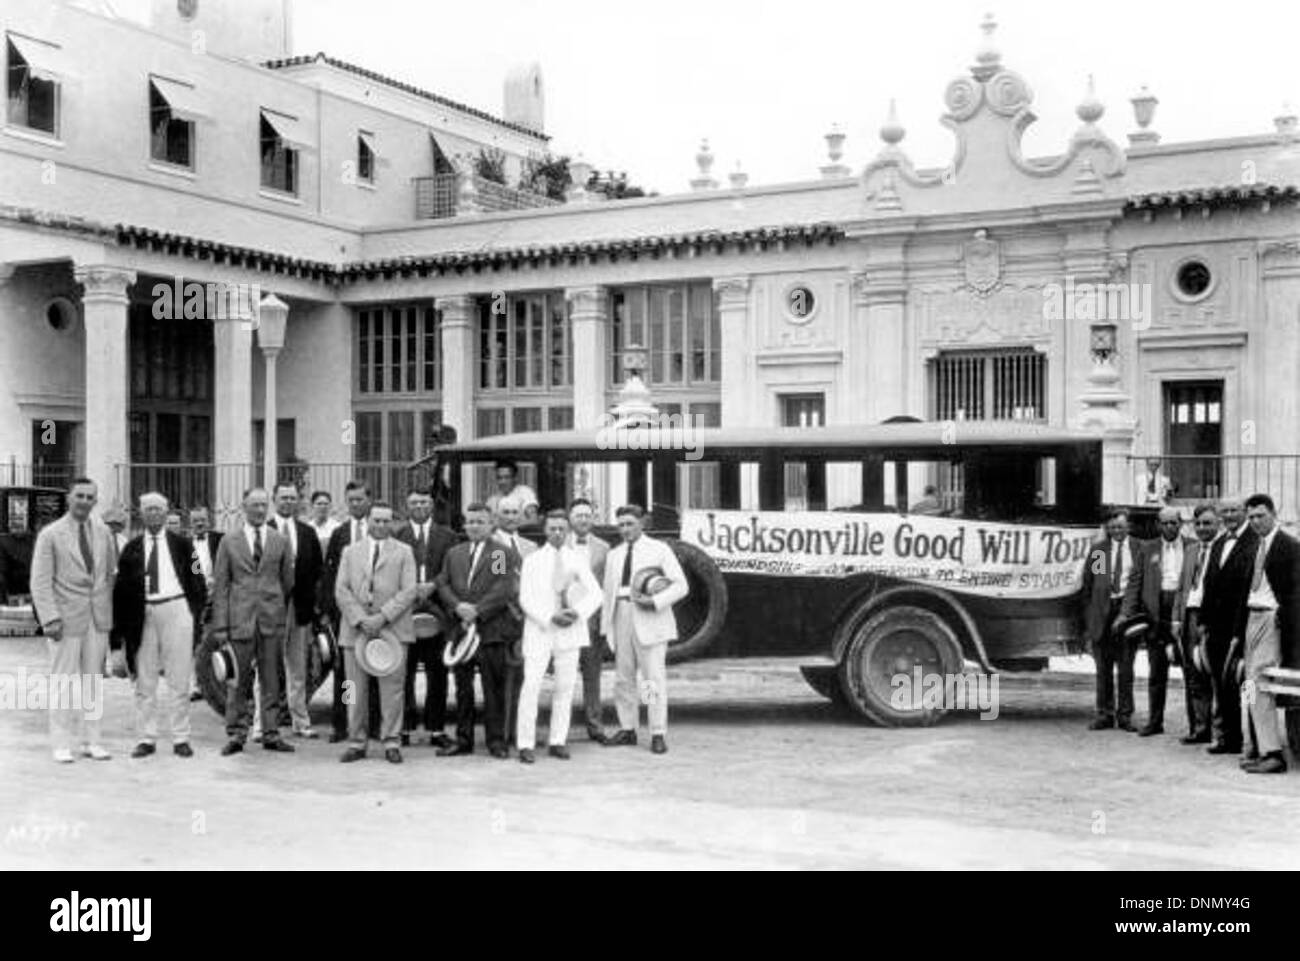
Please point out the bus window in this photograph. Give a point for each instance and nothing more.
(805, 485)
(699, 485)
(844, 486)
(749, 499)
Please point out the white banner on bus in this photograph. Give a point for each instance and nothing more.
(967, 556)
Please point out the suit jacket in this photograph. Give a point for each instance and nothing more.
(1143, 593)
(129, 591)
(62, 588)
(652, 627)
(526, 546)
(214, 545)
(1095, 588)
(540, 600)
(339, 540)
(307, 565)
(1227, 585)
(496, 582)
(1191, 557)
(245, 596)
(437, 542)
(366, 587)
(1282, 568)
(15, 565)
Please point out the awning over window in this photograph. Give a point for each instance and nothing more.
(291, 130)
(184, 100)
(44, 60)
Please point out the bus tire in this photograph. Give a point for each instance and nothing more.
(826, 682)
(214, 692)
(701, 614)
(890, 642)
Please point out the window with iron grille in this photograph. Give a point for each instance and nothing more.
(989, 385)
(399, 350)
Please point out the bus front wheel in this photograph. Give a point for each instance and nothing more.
(887, 667)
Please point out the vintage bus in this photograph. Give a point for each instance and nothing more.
(860, 552)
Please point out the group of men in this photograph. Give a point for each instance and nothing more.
(397, 594)
(1225, 605)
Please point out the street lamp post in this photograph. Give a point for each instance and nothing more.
(272, 319)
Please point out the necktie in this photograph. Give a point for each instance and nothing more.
(1201, 558)
(151, 569)
(257, 545)
(374, 558)
(1151, 484)
(87, 555)
(627, 567)
(473, 561)
(1119, 565)
(1258, 579)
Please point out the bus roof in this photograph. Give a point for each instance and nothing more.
(920, 435)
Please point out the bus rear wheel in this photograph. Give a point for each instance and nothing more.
(878, 672)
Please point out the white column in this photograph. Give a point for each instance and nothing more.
(733, 321)
(589, 314)
(458, 364)
(232, 415)
(106, 304)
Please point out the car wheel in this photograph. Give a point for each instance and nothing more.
(878, 670)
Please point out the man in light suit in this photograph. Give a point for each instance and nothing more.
(73, 570)
(582, 516)
(159, 595)
(430, 542)
(478, 579)
(1189, 629)
(639, 627)
(1153, 590)
(252, 579)
(558, 594)
(1106, 575)
(304, 545)
(375, 592)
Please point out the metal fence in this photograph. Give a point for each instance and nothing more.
(1195, 478)
(435, 197)
(14, 474)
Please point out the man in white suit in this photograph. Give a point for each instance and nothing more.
(640, 626)
(558, 593)
(74, 566)
(582, 517)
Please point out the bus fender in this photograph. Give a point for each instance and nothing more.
(943, 601)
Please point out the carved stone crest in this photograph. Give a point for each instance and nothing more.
(983, 263)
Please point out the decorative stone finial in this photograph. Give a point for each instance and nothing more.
(834, 151)
(635, 406)
(1090, 108)
(892, 131)
(1286, 123)
(1144, 111)
(580, 172)
(704, 160)
(738, 178)
(988, 59)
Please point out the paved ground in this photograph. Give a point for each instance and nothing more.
(762, 773)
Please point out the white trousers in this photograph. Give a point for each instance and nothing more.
(651, 661)
(1263, 649)
(295, 670)
(75, 661)
(166, 645)
(538, 652)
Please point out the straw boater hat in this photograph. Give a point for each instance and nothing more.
(1133, 626)
(327, 646)
(650, 581)
(380, 656)
(225, 668)
(463, 650)
(426, 625)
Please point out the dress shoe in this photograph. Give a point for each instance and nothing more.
(499, 751)
(1221, 748)
(439, 740)
(1101, 724)
(232, 747)
(1269, 764)
(622, 739)
(455, 750)
(95, 752)
(63, 756)
(526, 756)
(658, 745)
(393, 756)
(196, 696)
(597, 735)
(1195, 739)
(278, 744)
(337, 738)
(1126, 726)
(1149, 729)
(1249, 758)
(558, 750)
(405, 739)
(183, 749)
(143, 750)
(353, 754)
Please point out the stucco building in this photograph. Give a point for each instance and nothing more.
(1147, 290)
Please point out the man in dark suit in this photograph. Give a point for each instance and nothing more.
(16, 547)
(206, 542)
(1153, 591)
(158, 597)
(307, 564)
(1106, 575)
(1223, 612)
(582, 517)
(1189, 628)
(357, 497)
(430, 543)
(477, 581)
(251, 581)
(1272, 635)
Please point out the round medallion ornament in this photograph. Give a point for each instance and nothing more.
(1008, 93)
(800, 304)
(962, 98)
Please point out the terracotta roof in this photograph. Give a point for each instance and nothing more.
(1214, 195)
(400, 85)
(142, 238)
